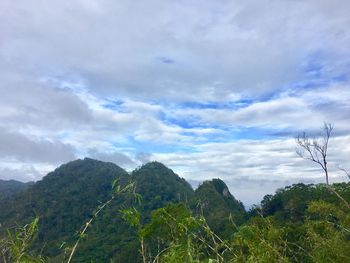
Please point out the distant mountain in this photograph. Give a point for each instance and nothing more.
(11, 187)
(218, 206)
(66, 198)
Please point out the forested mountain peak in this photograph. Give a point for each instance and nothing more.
(154, 168)
(158, 184)
(218, 187)
(84, 165)
(154, 165)
(218, 205)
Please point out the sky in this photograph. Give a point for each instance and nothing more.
(212, 89)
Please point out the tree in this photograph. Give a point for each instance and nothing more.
(315, 149)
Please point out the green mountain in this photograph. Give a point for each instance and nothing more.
(159, 185)
(67, 197)
(10, 187)
(114, 238)
(221, 210)
(63, 200)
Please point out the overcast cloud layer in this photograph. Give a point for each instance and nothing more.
(210, 88)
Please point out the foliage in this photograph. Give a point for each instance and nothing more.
(16, 246)
(328, 232)
(174, 234)
(260, 241)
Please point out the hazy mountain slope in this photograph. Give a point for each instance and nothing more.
(10, 187)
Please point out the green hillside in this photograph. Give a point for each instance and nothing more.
(63, 201)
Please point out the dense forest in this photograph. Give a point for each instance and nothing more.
(153, 215)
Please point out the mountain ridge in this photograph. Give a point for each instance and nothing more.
(66, 198)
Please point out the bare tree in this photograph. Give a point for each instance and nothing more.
(315, 149)
(345, 171)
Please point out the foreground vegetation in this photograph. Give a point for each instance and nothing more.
(300, 223)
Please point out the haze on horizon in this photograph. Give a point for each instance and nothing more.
(212, 89)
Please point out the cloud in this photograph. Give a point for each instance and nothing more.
(212, 89)
(25, 173)
(259, 159)
(220, 49)
(143, 157)
(18, 146)
(118, 158)
(294, 111)
(238, 187)
(27, 102)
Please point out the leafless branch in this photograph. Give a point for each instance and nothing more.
(345, 171)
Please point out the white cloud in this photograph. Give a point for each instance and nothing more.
(252, 169)
(111, 78)
(24, 173)
(295, 111)
(218, 49)
(118, 158)
(22, 148)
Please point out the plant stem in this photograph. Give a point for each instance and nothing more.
(338, 195)
(88, 223)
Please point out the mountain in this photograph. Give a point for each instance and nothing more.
(63, 200)
(11, 187)
(67, 197)
(158, 186)
(218, 206)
